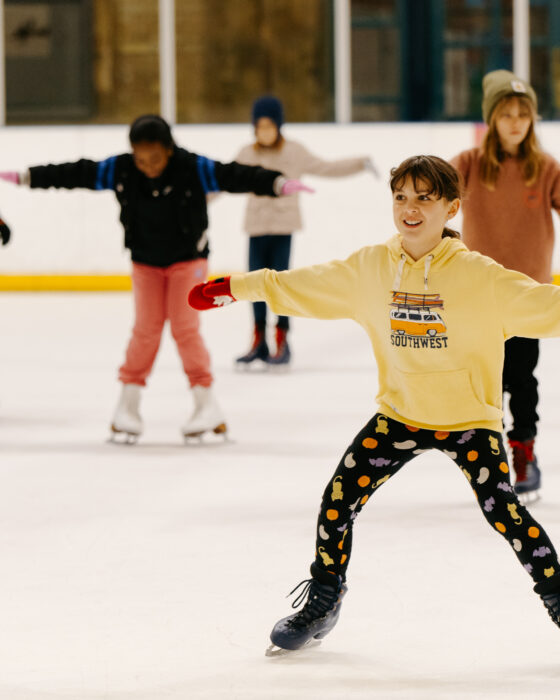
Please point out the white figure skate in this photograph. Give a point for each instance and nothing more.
(127, 423)
(207, 416)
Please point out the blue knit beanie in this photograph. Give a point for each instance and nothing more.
(268, 106)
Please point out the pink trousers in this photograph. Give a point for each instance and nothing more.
(160, 293)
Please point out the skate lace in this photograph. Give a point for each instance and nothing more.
(320, 600)
(522, 455)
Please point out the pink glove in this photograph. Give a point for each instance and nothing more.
(293, 186)
(11, 176)
(209, 295)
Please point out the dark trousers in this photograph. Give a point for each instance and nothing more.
(519, 381)
(379, 451)
(271, 251)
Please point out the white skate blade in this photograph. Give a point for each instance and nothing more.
(215, 435)
(529, 497)
(274, 651)
(255, 366)
(122, 437)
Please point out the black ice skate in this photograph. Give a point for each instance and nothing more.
(258, 352)
(549, 591)
(314, 621)
(527, 472)
(282, 356)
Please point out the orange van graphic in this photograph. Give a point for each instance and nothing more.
(416, 315)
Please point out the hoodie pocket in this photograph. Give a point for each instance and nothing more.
(437, 398)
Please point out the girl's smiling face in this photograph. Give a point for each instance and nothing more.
(420, 216)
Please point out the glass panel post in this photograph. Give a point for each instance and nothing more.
(2, 67)
(342, 58)
(521, 39)
(167, 61)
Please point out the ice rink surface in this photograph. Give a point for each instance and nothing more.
(156, 571)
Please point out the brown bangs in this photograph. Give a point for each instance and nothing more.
(438, 175)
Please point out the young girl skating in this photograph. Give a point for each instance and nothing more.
(437, 316)
(161, 189)
(511, 189)
(270, 223)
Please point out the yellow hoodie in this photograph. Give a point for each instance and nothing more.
(437, 325)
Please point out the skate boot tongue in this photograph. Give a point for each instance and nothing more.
(522, 457)
(527, 472)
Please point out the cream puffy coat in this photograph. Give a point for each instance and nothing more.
(281, 215)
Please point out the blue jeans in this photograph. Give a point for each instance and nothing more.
(271, 251)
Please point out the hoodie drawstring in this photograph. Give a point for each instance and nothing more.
(398, 276)
(427, 269)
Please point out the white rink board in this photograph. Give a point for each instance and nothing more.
(62, 232)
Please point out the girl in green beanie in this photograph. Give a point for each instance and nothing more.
(511, 188)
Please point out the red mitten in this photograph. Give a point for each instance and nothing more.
(209, 295)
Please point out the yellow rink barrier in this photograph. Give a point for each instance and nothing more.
(65, 283)
(85, 283)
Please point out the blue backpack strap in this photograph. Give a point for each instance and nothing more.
(206, 172)
(106, 174)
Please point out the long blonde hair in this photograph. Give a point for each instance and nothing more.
(529, 156)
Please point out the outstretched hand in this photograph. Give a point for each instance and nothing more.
(11, 176)
(210, 295)
(293, 186)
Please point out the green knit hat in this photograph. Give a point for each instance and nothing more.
(503, 83)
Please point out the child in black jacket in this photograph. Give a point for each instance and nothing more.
(161, 189)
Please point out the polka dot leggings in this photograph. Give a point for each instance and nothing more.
(384, 446)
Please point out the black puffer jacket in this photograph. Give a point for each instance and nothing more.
(164, 219)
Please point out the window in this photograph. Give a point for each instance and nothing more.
(477, 37)
(376, 60)
(229, 53)
(98, 61)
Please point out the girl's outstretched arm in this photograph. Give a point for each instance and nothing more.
(84, 173)
(313, 165)
(326, 291)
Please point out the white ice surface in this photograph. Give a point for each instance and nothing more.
(155, 572)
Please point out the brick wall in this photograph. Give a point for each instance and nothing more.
(228, 53)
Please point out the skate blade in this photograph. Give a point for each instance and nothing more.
(220, 431)
(255, 366)
(529, 497)
(274, 651)
(121, 437)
